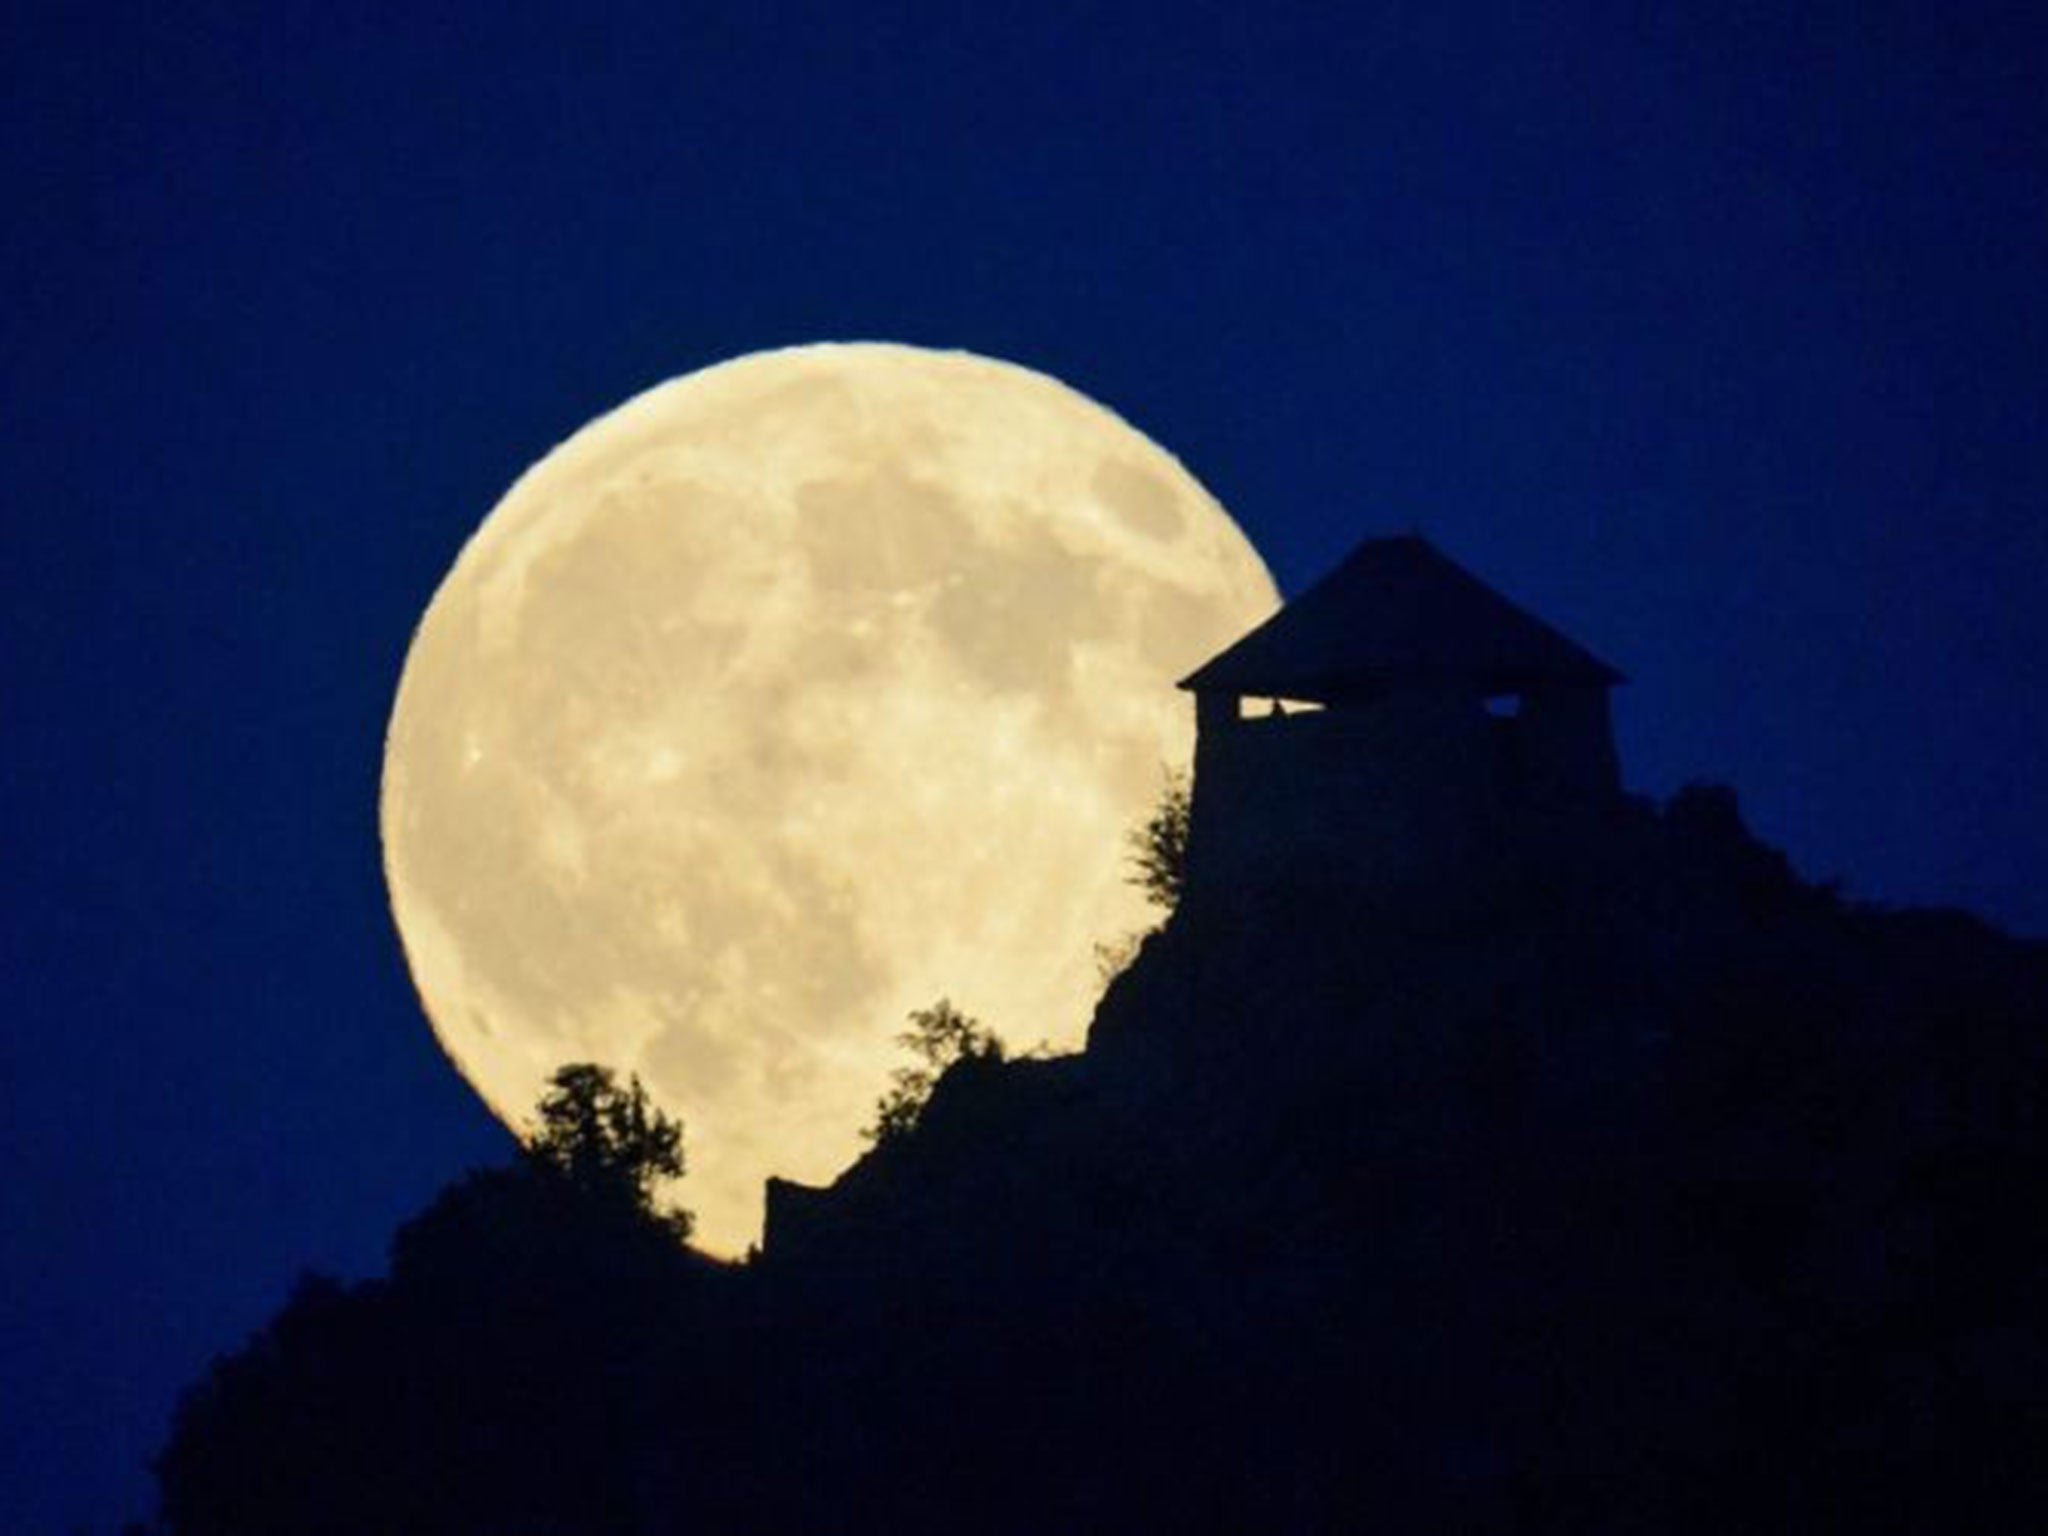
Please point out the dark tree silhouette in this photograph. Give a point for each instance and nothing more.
(498, 1380)
(938, 1036)
(1159, 848)
(1158, 851)
(603, 1138)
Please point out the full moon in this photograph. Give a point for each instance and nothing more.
(788, 697)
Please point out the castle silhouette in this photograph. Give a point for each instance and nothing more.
(1389, 733)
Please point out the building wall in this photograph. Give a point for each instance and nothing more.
(1566, 744)
(1409, 799)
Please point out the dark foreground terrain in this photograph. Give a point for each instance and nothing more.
(1652, 1190)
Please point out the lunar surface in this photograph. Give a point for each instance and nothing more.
(788, 697)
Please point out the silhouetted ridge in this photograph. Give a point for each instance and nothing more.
(1476, 1148)
(1673, 1195)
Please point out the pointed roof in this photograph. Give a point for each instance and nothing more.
(1398, 611)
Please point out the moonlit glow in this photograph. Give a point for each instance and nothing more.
(786, 698)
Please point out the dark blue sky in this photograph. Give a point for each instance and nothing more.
(1716, 334)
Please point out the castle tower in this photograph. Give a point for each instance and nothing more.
(1392, 727)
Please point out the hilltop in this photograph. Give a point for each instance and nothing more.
(1672, 1194)
(1476, 1147)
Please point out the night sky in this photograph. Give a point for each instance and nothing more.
(1718, 337)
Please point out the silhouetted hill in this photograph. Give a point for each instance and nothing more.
(1645, 1187)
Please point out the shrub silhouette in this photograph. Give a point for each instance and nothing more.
(1159, 848)
(938, 1036)
(495, 1382)
(608, 1141)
